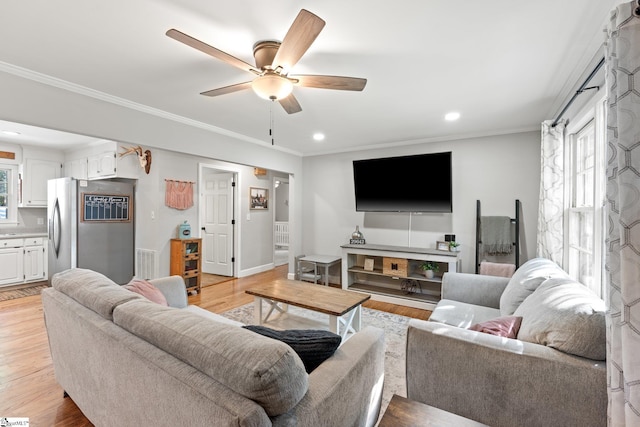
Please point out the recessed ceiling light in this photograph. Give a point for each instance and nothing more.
(452, 116)
(11, 132)
(318, 136)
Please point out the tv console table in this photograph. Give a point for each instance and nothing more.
(393, 274)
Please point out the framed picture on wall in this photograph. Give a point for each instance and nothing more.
(258, 198)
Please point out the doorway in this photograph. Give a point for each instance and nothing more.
(281, 221)
(217, 220)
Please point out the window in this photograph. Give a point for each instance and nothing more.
(584, 213)
(8, 199)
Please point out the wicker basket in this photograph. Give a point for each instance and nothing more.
(396, 267)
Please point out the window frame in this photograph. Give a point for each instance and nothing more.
(593, 114)
(12, 194)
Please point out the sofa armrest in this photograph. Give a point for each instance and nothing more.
(474, 288)
(173, 289)
(502, 382)
(345, 389)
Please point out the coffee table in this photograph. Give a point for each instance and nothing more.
(336, 303)
(403, 412)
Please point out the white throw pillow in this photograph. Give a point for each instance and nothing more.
(526, 280)
(566, 316)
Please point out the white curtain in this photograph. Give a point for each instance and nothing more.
(550, 209)
(623, 210)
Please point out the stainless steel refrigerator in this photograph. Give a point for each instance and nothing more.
(91, 226)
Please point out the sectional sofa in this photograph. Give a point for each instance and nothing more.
(125, 360)
(470, 359)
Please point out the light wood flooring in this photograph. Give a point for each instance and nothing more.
(27, 384)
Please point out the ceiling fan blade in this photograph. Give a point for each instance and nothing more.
(330, 82)
(210, 50)
(290, 104)
(227, 89)
(301, 34)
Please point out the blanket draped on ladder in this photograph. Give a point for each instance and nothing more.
(496, 235)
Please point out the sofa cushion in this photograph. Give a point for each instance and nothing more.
(566, 316)
(261, 369)
(461, 314)
(312, 345)
(505, 326)
(526, 280)
(147, 290)
(212, 316)
(93, 290)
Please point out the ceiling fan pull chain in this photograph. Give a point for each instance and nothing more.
(271, 121)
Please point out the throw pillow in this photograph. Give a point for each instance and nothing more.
(526, 280)
(506, 326)
(312, 346)
(566, 316)
(147, 290)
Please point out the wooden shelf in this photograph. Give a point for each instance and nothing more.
(378, 272)
(396, 293)
(185, 262)
(386, 286)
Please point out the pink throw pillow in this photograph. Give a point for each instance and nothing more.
(147, 290)
(507, 326)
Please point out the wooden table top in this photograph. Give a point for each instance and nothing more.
(324, 299)
(403, 412)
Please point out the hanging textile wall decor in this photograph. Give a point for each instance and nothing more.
(178, 194)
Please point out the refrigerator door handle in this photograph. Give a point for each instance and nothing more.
(56, 226)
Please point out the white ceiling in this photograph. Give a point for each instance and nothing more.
(505, 65)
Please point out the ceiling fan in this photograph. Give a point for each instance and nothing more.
(274, 60)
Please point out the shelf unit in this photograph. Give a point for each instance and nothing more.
(186, 262)
(412, 289)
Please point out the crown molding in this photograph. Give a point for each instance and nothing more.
(92, 93)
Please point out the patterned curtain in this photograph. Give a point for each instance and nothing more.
(550, 209)
(623, 210)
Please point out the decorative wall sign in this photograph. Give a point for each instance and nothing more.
(258, 198)
(105, 207)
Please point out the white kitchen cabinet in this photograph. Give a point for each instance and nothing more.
(102, 165)
(34, 176)
(35, 257)
(77, 168)
(11, 261)
(22, 260)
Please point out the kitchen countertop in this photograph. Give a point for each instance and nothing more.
(23, 234)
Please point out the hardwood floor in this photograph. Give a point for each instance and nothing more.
(27, 384)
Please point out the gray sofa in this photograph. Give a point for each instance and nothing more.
(126, 360)
(552, 374)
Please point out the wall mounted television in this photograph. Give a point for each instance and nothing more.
(416, 183)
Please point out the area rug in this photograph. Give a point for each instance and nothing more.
(22, 292)
(395, 332)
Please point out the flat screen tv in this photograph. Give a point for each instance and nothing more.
(417, 183)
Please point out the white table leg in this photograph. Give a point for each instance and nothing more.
(357, 318)
(258, 306)
(257, 310)
(334, 324)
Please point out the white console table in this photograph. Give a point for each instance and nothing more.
(409, 288)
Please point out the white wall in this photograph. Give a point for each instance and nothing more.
(496, 170)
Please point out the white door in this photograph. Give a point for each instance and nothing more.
(217, 222)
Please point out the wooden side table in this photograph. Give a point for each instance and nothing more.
(185, 262)
(403, 412)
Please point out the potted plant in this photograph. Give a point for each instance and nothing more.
(429, 268)
(454, 246)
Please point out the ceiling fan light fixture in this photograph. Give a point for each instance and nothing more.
(272, 86)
